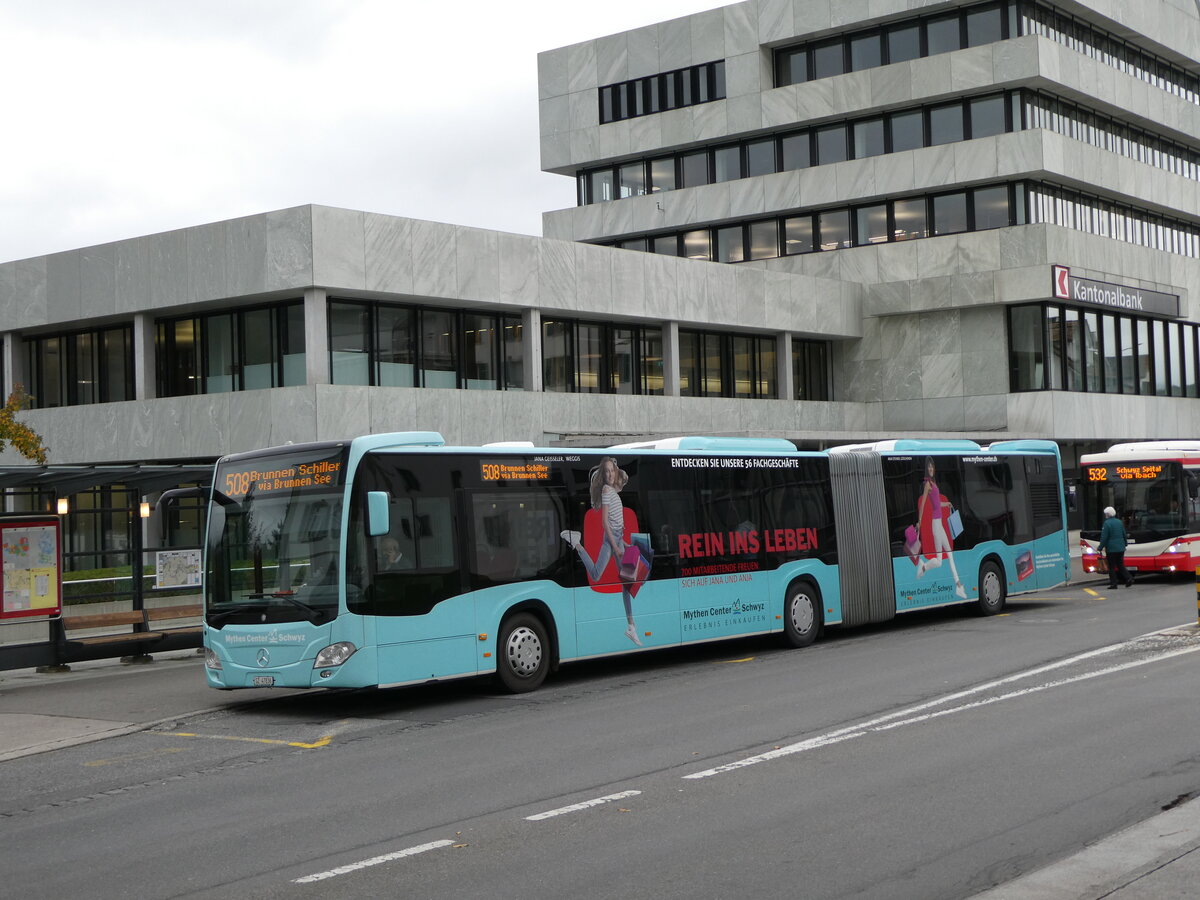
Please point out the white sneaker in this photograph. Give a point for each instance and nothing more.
(571, 537)
(632, 635)
(958, 589)
(921, 567)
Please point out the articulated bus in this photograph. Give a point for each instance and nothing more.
(1154, 486)
(393, 559)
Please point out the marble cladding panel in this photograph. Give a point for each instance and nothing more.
(29, 300)
(587, 221)
(712, 202)
(932, 76)
(205, 262)
(710, 121)
(741, 28)
(982, 328)
(817, 188)
(630, 281)
(593, 279)
(708, 35)
(888, 298)
(554, 114)
(900, 336)
(477, 261)
(678, 128)
(941, 335)
(435, 259)
(582, 72)
(899, 261)
(776, 21)
(132, 285)
(612, 58)
(895, 173)
(780, 107)
(338, 247)
(645, 132)
(675, 44)
(97, 281)
(1019, 247)
(1019, 153)
(246, 250)
(903, 415)
(517, 274)
(643, 52)
(692, 298)
(815, 100)
(167, 261)
(743, 114)
(556, 275)
(749, 297)
(932, 293)
(1017, 285)
(973, 288)
(1015, 60)
(934, 166)
(662, 287)
(746, 197)
(582, 110)
(901, 378)
(859, 265)
(585, 143)
(250, 418)
(979, 252)
(972, 69)
(719, 300)
(944, 413)
(855, 179)
(849, 12)
(342, 410)
(975, 160)
(811, 16)
(891, 85)
(781, 191)
(388, 253)
(985, 371)
(64, 301)
(985, 413)
(479, 417)
(555, 153)
(289, 248)
(552, 73)
(614, 139)
(292, 415)
(937, 256)
(852, 92)
(563, 413)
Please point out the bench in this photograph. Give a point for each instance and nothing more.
(132, 635)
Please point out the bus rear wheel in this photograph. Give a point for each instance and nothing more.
(523, 654)
(801, 614)
(991, 589)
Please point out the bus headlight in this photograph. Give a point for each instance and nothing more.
(1174, 548)
(334, 655)
(211, 660)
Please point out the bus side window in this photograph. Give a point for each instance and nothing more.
(434, 527)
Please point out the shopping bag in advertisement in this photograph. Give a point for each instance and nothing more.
(955, 524)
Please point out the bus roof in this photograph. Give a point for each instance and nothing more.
(905, 445)
(1181, 451)
(713, 445)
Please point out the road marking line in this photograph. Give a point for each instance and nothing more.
(130, 757)
(577, 807)
(917, 714)
(316, 745)
(1090, 591)
(725, 662)
(373, 861)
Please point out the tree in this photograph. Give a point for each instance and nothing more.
(24, 439)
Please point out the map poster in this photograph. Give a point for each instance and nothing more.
(30, 569)
(177, 568)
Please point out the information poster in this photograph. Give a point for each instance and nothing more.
(177, 568)
(31, 572)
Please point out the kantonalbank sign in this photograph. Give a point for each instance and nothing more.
(1113, 296)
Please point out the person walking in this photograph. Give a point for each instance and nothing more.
(1112, 545)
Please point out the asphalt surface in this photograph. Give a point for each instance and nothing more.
(1157, 858)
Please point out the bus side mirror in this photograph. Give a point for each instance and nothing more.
(378, 515)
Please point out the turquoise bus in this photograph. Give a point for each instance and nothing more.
(393, 559)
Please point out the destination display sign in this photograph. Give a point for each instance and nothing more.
(269, 475)
(1114, 296)
(1126, 472)
(514, 471)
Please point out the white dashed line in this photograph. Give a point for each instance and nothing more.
(373, 861)
(586, 804)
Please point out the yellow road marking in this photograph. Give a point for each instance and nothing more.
(322, 742)
(133, 756)
(1090, 591)
(724, 662)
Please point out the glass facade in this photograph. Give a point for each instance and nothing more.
(79, 368)
(395, 345)
(1056, 347)
(598, 358)
(244, 350)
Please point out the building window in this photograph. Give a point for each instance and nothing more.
(393, 345)
(232, 351)
(80, 368)
(597, 358)
(657, 93)
(727, 365)
(1057, 347)
(810, 370)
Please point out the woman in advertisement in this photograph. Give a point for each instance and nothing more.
(607, 480)
(933, 509)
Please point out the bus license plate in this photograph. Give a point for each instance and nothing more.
(264, 681)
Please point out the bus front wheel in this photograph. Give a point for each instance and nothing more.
(523, 654)
(991, 589)
(801, 614)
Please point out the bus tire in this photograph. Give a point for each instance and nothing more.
(522, 653)
(801, 614)
(992, 592)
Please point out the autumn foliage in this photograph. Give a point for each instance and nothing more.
(24, 439)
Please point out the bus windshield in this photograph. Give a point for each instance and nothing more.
(1151, 498)
(274, 538)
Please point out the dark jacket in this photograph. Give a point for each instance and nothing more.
(1112, 536)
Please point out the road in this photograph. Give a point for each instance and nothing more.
(929, 758)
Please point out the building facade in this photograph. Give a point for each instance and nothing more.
(828, 220)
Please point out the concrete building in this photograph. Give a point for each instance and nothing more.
(829, 220)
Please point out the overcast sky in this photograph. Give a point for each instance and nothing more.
(129, 117)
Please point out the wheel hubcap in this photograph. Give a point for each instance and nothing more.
(524, 651)
(991, 588)
(802, 613)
